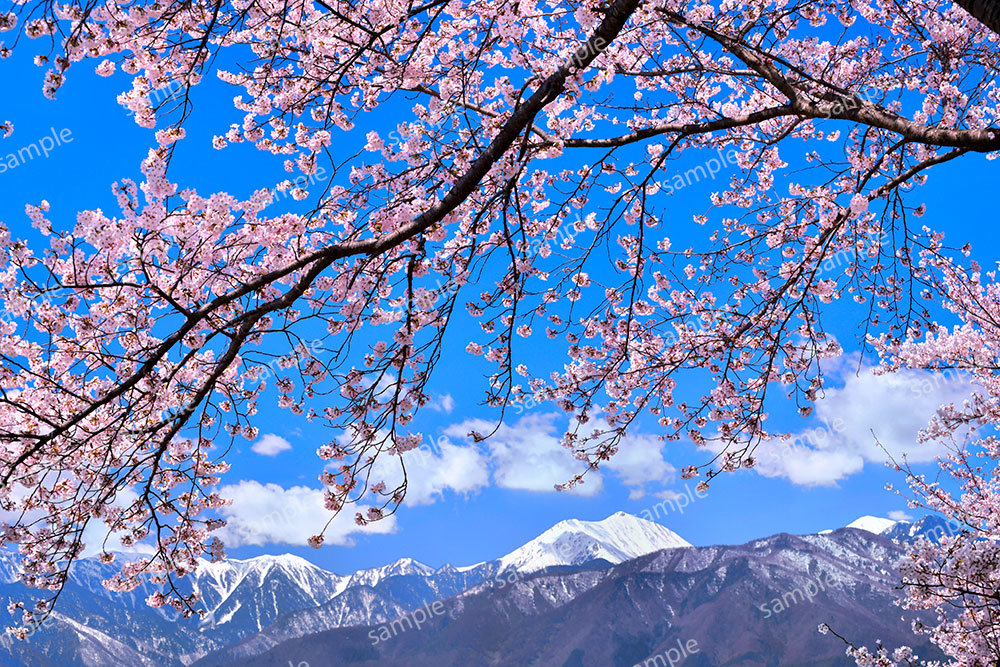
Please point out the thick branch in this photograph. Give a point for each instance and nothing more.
(986, 11)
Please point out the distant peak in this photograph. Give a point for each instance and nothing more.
(402, 567)
(618, 538)
(872, 524)
(617, 519)
(625, 516)
(410, 564)
(284, 559)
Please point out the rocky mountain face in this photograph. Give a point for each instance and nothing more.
(241, 596)
(754, 604)
(930, 527)
(612, 592)
(618, 538)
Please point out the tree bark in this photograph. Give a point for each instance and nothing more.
(986, 11)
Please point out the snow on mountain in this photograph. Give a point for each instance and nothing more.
(10, 567)
(300, 571)
(931, 527)
(97, 648)
(873, 524)
(625, 613)
(466, 568)
(256, 591)
(618, 538)
(372, 576)
(379, 595)
(257, 604)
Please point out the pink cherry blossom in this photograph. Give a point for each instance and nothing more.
(523, 188)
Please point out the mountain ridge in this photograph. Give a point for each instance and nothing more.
(623, 614)
(617, 538)
(257, 604)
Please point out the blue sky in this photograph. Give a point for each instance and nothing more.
(499, 502)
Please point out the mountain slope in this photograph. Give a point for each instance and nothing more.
(873, 524)
(392, 591)
(241, 597)
(618, 538)
(932, 527)
(263, 589)
(612, 592)
(725, 598)
(389, 599)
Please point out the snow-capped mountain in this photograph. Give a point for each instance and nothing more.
(381, 595)
(255, 592)
(932, 527)
(620, 575)
(727, 600)
(240, 597)
(618, 538)
(255, 603)
(873, 524)
(386, 600)
(402, 567)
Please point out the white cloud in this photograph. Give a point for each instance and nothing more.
(270, 514)
(270, 444)
(669, 494)
(96, 536)
(639, 462)
(460, 469)
(890, 409)
(442, 403)
(528, 456)
(430, 471)
(900, 515)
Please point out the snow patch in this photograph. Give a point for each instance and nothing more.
(873, 524)
(618, 538)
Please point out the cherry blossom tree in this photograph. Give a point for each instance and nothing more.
(139, 342)
(955, 575)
